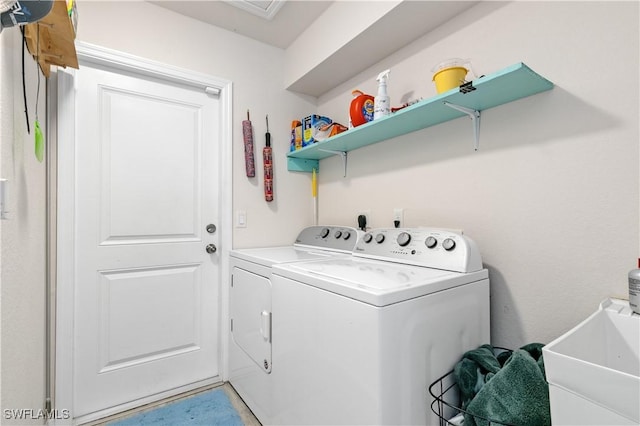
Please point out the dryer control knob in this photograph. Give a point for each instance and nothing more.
(367, 238)
(324, 232)
(403, 239)
(449, 244)
(338, 234)
(346, 235)
(379, 238)
(430, 242)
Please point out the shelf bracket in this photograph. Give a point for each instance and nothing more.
(342, 154)
(475, 119)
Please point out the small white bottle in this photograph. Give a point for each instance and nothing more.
(381, 104)
(634, 290)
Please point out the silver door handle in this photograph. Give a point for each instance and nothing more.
(211, 248)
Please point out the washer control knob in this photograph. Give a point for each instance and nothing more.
(403, 239)
(449, 244)
(379, 238)
(338, 234)
(324, 232)
(431, 242)
(367, 238)
(346, 235)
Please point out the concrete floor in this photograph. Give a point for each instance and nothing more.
(245, 413)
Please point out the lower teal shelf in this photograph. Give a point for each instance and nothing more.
(510, 84)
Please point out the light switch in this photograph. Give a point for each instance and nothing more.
(241, 219)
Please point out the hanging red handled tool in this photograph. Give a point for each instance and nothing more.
(267, 158)
(247, 132)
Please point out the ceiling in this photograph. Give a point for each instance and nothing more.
(281, 22)
(251, 17)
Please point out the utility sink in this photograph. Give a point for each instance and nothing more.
(594, 369)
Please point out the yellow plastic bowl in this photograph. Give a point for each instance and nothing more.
(449, 78)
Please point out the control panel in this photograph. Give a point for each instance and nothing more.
(338, 238)
(429, 247)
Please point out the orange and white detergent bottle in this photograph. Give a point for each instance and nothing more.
(361, 110)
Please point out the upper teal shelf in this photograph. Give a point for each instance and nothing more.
(512, 83)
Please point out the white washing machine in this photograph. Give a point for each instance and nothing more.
(250, 354)
(359, 339)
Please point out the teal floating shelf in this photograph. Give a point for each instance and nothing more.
(510, 84)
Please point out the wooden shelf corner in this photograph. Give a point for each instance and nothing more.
(51, 39)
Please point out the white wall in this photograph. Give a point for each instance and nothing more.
(22, 243)
(552, 196)
(256, 71)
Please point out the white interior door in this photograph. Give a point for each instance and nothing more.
(147, 294)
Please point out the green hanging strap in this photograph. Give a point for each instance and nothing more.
(39, 137)
(39, 142)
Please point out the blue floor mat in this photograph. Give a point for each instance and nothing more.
(211, 408)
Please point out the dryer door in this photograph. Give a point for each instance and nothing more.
(251, 316)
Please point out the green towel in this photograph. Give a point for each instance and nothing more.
(503, 386)
(469, 380)
(503, 357)
(471, 372)
(485, 358)
(534, 349)
(518, 394)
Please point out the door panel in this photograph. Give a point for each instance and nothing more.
(127, 213)
(146, 316)
(250, 301)
(169, 298)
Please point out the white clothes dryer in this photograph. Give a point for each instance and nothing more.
(250, 354)
(358, 340)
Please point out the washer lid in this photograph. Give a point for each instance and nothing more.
(272, 255)
(375, 282)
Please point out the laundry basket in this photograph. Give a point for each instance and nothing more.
(446, 403)
(515, 395)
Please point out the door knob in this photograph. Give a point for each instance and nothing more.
(211, 248)
(211, 228)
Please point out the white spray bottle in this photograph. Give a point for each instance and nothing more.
(381, 105)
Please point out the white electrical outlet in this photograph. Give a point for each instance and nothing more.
(398, 216)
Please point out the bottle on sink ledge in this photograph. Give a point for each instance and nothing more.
(634, 289)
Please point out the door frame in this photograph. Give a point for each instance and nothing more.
(63, 287)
